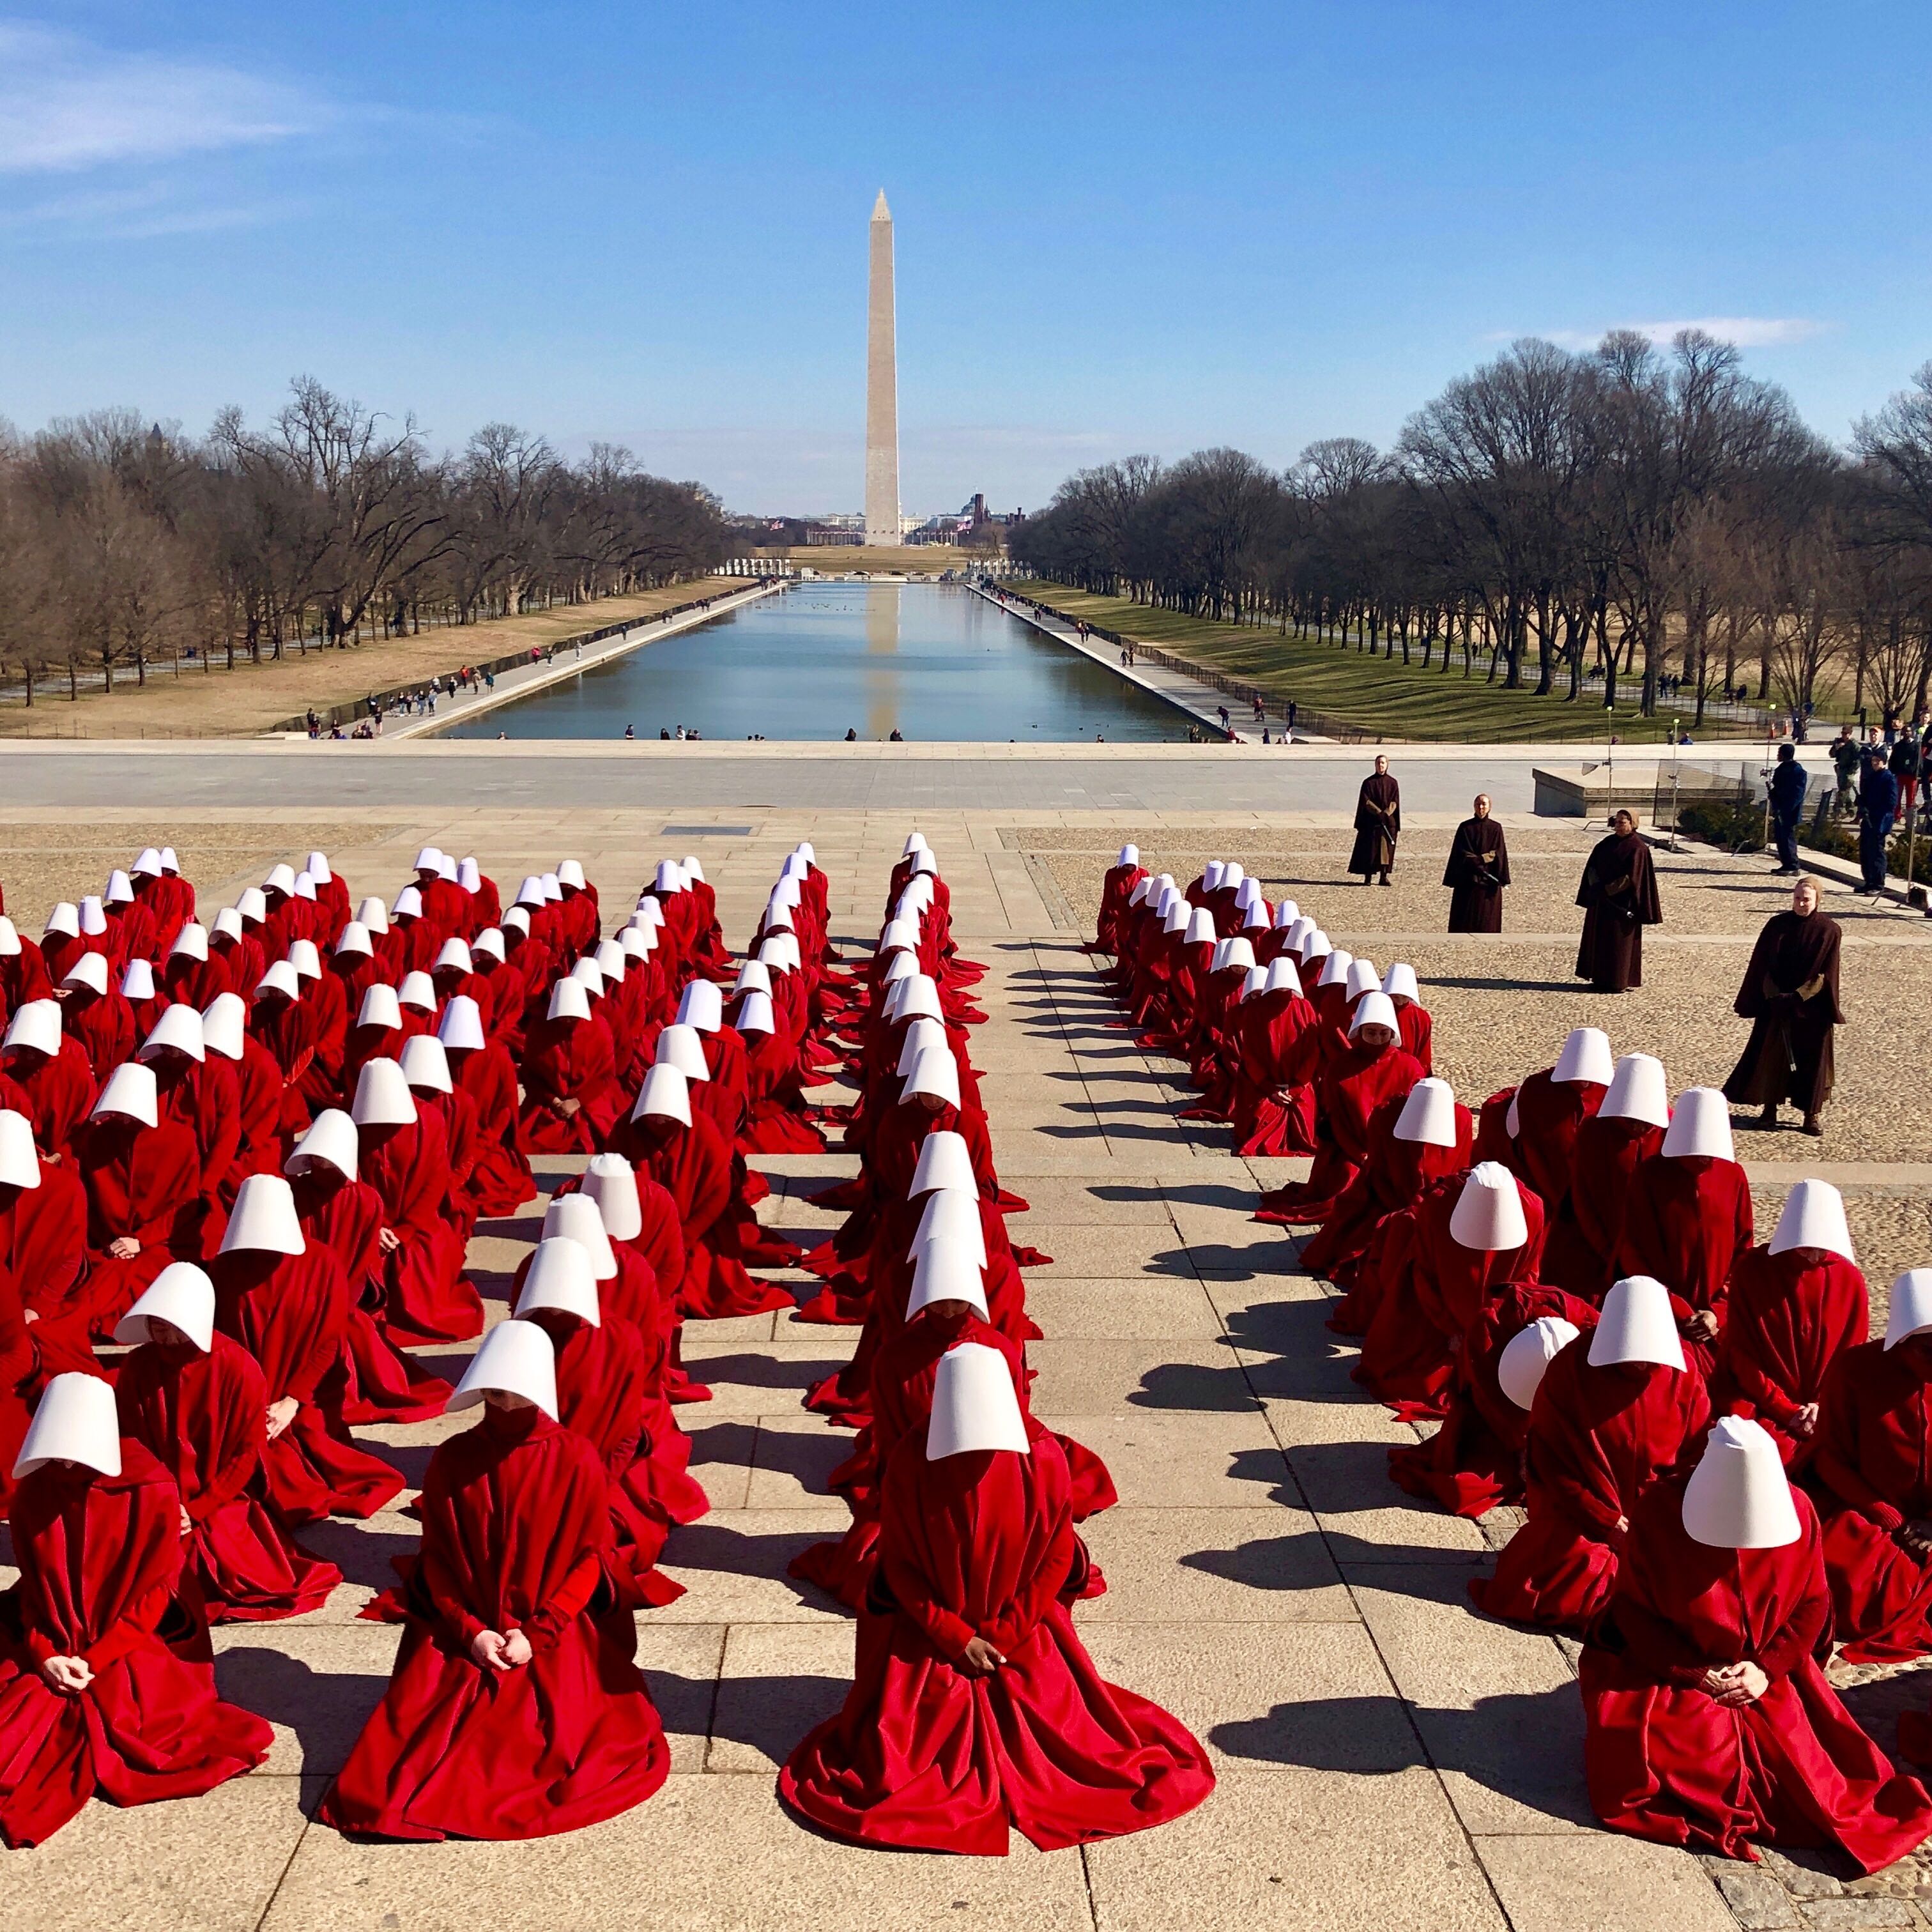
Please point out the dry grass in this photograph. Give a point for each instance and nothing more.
(253, 698)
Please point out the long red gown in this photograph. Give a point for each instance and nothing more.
(1355, 1081)
(923, 1756)
(201, 1417)
(427, 1296)
(1598, 1438)
(569, 1060)
(140, 1182)
(1587, 1231)
(516, 1535)
(1872, 1468)
(1787, 1322)
(1664, 1761)
(1549, 1115)
(1686, 1220)
(99, 1557)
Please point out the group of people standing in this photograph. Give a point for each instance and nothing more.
(240, 1164)
(1722, 1474)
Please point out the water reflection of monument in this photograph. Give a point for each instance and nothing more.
(882, 650)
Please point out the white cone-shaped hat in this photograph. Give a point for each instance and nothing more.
(1282, 977)
(460, 1029)
(373, 916)
(1399, 982)
(382, 1096)
(418, 990)
(1175, 919)
(425, 1065)
(1911, 1312)
(943, 1161)
(64, 920)
(1238, 951)
(1363, 977)
(330, 1142)
(578, 1218)
(224, 1025)
(35, 1024)
(945, 1271)
(20, 1160)
(178, 1030)
(952, 1214)
(1428, 1116)
(1375, 1009)
(251, 906)
(611, 1181)
(264, 1221)
(568, 1000)
(181, 1294)
(1212, 874)
(666, 1093)
(1700, 1127)
(1738, 1496)
(75, 1422)
(489, 944)
(190, 943)
(918, 999)
(409, 903)
(1488, 1216)
(1585, 1058)
(1253, 981)
(755, 1014)
(281, 978)
(93, 916)
(1637, 1325)
(303, 956)
(380, 1007)
(570, 872)
(1814, 1217)
(780, 950)
(149, 864)
(974, 1405)
(1287, 916)
(137, 981)
(89, 970)
(669, 879)
(1200, 926)
(561, 1276)
(753, 976)
(1637, 1092)
(923, 1035)
(515, 1358)
(1335, 968)
(701, 1005)
(900, 935)
(1130, 855)
(227, 926)
(129, 1091)
(683, 1047)
(1527, 1353)
(934, 1073)
(901, 966)
(454, 958)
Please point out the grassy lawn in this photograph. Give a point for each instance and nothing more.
(829, 559)
(1402, 701)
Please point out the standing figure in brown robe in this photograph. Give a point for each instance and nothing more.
(1477, 871)
(1790, 996)
(1378, 824)
(1618, 894)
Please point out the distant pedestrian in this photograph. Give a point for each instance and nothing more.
(1790, 996)
(851, 735)
(1788, 781)
(1478, 872)
(1878, 809)
(1845, 766)
(630, 733)
(1618, 894)
(1903, 765)
(1378, 824)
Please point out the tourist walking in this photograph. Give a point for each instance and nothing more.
(1478, 872)
(1845, 765)
(1878, 808)
(1788, 783)
(1618, 894)
(1378, 824)
(1790, 996)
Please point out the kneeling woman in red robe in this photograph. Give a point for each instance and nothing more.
(975, 1707)
(1870, 1471)
(1708, 1722)
(92, 1700)
(1611, 1414)
(515, 1709)
(198, 1403)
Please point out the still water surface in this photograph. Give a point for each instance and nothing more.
(933, 662)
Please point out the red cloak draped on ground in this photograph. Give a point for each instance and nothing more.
(516, 1536)
(99, 1557)
(1664, 1761)
(201, 1416)
(1598, 1438)
(924, 1755)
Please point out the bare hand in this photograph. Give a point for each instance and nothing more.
(981, 1659)
(1623, 1526)
(124, 1249)
(30, 1314)
(1737, 1684)
(516, 1651)
(1805, 1421)
(281, 1414)
(72, 1675)
(387, 1240)
(487, 1648)
(1914, 1538)
(1702, 1327)
(187, 1521)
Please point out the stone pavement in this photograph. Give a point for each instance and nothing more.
(1387, 1759)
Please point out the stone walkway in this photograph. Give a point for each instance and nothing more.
(1387, 1759)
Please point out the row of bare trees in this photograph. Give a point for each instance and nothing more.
(1573, 522)
(123, 544)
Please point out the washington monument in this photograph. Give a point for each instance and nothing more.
(882, 389)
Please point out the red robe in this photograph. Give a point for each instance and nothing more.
(1871, 1469)
(104, 1026)
(501, 1181)
(1597, 1439)
(1356, 1080)
(1787, 1322)
(201, 1417)
(56, 1095)
(1549, 1114)
(427, 1296)
(99, 1557)
(140, 1182)
(287, 1311)
(1686, 1220)
(1585, 1234)
(569, 1060)
(1664, 1761)
(516, 1535)
(924, 1756)
(43, 1246)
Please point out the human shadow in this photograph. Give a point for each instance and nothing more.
(765, 1372)
(714, 1546)
(326, 1709)
(365, 1556)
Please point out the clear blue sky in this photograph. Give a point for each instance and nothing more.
(1120, 226)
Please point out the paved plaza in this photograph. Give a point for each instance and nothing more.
(1387, 1759)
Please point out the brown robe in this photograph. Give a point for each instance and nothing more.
(1619, 893)
(1477, 871)
(1378, 824)
(1790, 996)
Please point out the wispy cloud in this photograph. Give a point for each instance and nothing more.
(67, 104)
(1745, 331)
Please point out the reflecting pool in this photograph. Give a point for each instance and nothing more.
(932, 661)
